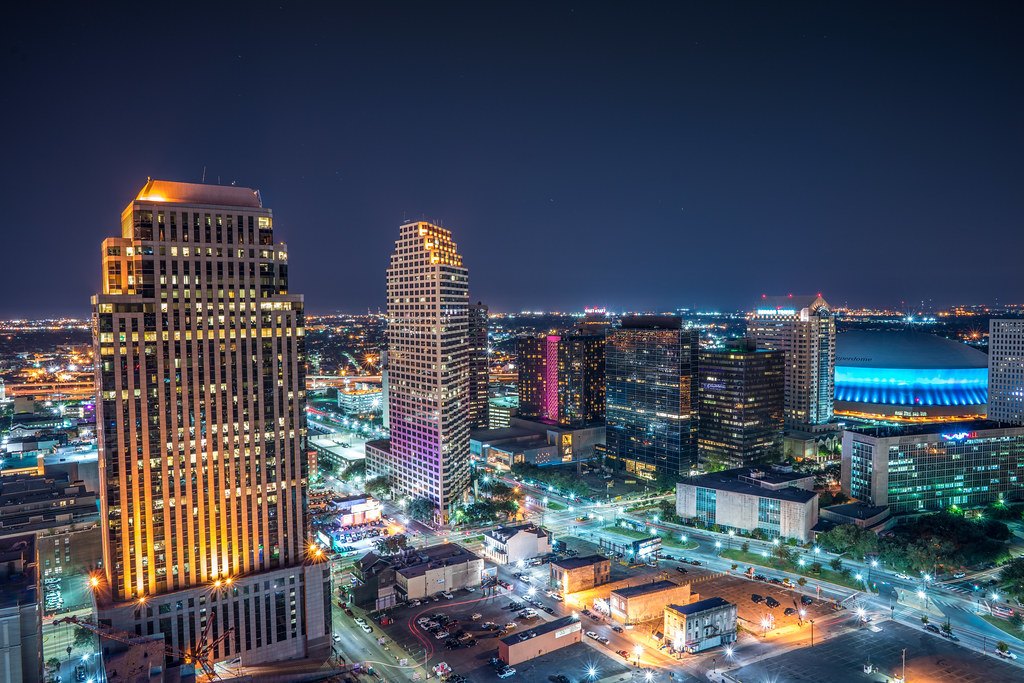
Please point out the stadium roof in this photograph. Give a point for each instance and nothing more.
(905, 349)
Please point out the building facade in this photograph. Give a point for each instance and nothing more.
(804, 329)
(447, 567)
(651, 373)
(562, 378)
(779, 504)
(574, 574)
(200, 414)
(512, 544)
(1006, 371)
(535, 443)
(427, 455)
(540, 640)
(479, 369)
(925, 468)
(647, 601)
(700, 625)
(741, 393)
(21, 615)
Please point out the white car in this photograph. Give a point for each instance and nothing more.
(361, 621)
(447, 595)
(591, 634)
(900, 575)
(1006, 655)
(511, 626)
(476, 616)
(366, 629)
(506, 672)
(441, 635)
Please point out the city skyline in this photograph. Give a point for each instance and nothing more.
(814, 137)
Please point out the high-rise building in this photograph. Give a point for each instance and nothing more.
(804, 329)
(479, 371)
(651, 376)
(562, 378)
(428, 370)
(1006, 371)
(201, 420)
(740, 397)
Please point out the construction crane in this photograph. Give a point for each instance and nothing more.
(200, 656)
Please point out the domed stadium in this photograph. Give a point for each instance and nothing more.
(909, 376)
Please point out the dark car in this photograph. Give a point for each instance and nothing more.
(760, 577)
(547, 609)
(933, 628)
(776, 581)
(772, 602)
(756, 599)
(695, 563)
(682, 570)
(560, 678)
(789, 611)
(806, 600)
(617, 629)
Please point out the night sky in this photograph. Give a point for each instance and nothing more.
(633, 156)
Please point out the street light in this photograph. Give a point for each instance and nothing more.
(637, 651)
(591, 672)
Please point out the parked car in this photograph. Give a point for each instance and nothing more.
(771, 602)
(806, 600)
(789, 611)
(617, 629)
(591, 634)
(476, 616)
(447, 595)
(756, 599)
(933, 628)
(506, 672)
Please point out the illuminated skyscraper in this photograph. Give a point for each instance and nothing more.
(651, 371)
(479, 372)
(740, 397)
(428, 370)
(202, 430)
(561, 378)
(1006, 371)
(804, 329)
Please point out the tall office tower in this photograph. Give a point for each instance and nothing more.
(479, 371)
(201, 420)
(651, 372)
(428, 370)
(804, 328)
(740, 397)
(562, 379)
(1006, 371)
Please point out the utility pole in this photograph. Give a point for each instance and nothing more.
(903, 675)
(812, 632)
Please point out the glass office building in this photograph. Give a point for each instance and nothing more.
(561, 379)
(650, 370)
(932, 467)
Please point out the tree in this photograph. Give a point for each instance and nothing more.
(783, 552)
(378, 486)
(53, 664)
(802, 581)
(924, 620)
(356, 469)
(947, 628)
(83, 637)
(745, 547)
(815, 567)
(1002, 647)
(836, 564)
(1012, 576)
(421, 509)
(1017, 619)
(849, 538)
(390, 545)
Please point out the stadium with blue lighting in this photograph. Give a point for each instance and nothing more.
(909, 376)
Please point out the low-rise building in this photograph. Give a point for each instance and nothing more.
(580, 573)
(535, 442)
(539, 640)
(779, 503)
(360, 398)
(700, 625)
(446, 567)
(647, 601)
(510, 544)
(375, 585)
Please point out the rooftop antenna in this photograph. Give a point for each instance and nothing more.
(204, 175)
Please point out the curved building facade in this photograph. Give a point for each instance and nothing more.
(909, 376)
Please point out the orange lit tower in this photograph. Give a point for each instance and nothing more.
(202, 430)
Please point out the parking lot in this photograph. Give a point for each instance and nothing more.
(843, 659)
(754, 616)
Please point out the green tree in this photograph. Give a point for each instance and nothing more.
(836, 564)
(1012, 576)
(947, 628)
(83, 637)
(1017, 619)
(849, 538)
(924, 620)
(53, 664)
(1002, 647)
(815, 567)
(390, 545)
(421, 509)
(745, 547)
(378, 486)
(356, 469)
(783, 552)
(802, 581)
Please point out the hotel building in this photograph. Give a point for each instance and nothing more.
(428, 371)
(202, 431)
(926, 468)
(562, 379)
(804, 329)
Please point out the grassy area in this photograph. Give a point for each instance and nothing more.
(742, 558)
(674, 542)
(1003, 625)
(553, 505)
(628, 533)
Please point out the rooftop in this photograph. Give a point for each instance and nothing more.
(577, 562)
(195, 193)
(18, 570)
(789, 302)
(540, 629)
(885, 431)
(503, 533)
(857, 510)
(644, 589)
(651, 322)
(728, 480)
(905, 349)
(419, 562)
(701, 606)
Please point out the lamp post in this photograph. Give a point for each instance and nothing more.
(732, 535)
(812, 631)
